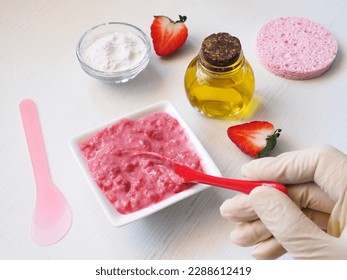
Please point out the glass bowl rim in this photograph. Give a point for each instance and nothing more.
(116, 74)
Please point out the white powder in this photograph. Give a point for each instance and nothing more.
(115, 52)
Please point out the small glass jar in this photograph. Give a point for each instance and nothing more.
(219, 81)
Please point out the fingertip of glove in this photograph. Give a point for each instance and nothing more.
(223, 210)
(227, 209)
(254, 168)
(238, 238)
(246, 169)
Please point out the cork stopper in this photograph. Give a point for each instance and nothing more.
(220, 50)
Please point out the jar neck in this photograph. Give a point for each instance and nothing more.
(239, 62)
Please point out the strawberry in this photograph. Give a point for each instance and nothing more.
(256, 138)
(168, 35)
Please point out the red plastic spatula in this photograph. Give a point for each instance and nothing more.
(52, 215)
(189, 175)
(192, 176)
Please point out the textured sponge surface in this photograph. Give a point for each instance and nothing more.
(295, 48)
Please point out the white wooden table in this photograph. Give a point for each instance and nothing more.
(38, 61)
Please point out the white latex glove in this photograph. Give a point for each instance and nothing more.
(297, 223)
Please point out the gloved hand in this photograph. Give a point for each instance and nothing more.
(309, 223)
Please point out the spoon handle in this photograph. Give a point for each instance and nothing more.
(36, 146)
(244, 186)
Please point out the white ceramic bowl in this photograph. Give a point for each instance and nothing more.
(101, 31)
(114, 216)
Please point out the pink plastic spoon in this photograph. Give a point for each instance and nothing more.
(189, 175)
(52, 215)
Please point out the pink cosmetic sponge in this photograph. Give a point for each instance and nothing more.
(295, 48)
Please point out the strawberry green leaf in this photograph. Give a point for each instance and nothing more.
(271, 142)
(182, 18)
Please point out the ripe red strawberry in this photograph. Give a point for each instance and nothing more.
(168, 35)
(255, 139)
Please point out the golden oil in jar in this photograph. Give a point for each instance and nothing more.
(219, 81)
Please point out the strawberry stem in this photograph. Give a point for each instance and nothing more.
(182, 18)
(271, 141)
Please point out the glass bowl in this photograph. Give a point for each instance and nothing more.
(113, 51)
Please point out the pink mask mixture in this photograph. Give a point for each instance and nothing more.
(130, 180)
